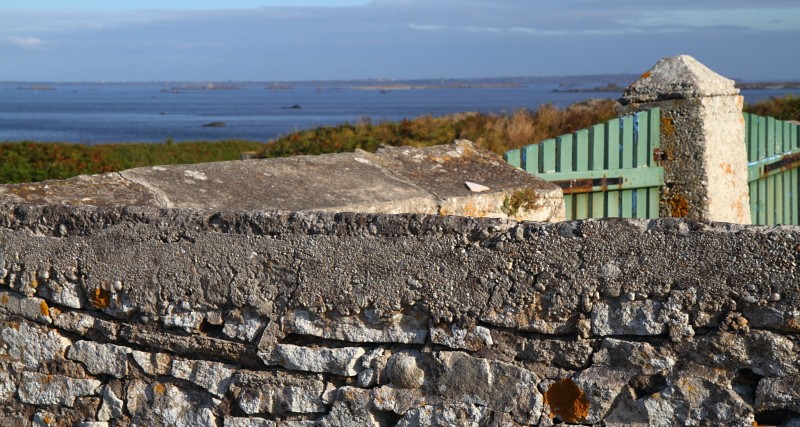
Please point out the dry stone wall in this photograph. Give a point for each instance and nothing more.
(140, 316)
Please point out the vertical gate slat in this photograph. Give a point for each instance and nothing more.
(597, 162)
(642, 138)
(531, 155)
(628, 157)
(762, 138)
(547, 153)
(513, 158)
(751, 122)
(581, 164)
(770, 202)
(564, 152)
(612, 133)
(778, 202)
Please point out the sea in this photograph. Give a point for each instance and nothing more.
(101, 113)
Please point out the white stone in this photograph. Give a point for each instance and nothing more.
(245, 329)
(374, 365)
(111, 406)
(301, 398)
(200, 176)
(601, 386)
(84, 324)
(337, 361)
(30, 308)
(397, 400)
(44, 419)
(639, 357)
(66, 294)
(445, 415)
(166, 404)
(213, 376)
(189, 321)
(7, 385)
(108, 359)
(476, 188)
(630, 318)
(454, 336)
(153, 364)
(42, 389)
(364, 327)
(31, 344)
(248, 422)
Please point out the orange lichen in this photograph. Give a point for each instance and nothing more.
(44, 309)
(726, 168)
(159, 388)
(101, 298)
(4, 299)
(667, 127)
(679, 206)
(567, 401)
(645, 75)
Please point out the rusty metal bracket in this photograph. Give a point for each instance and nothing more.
(573, 186)
(659, 155)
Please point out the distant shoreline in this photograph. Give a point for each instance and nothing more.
(400, 86)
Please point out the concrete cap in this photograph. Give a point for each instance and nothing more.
(678, 77)
(432, 180)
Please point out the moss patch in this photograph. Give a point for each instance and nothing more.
(520, 199)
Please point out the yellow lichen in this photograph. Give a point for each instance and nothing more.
(567, 401)
(44, 309)
(4, 299)
(159, 388)
(101, 298)
(667, 127)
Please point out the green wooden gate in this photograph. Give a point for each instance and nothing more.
(774, 157)
(607, 170)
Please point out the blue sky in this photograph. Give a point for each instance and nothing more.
(282, 40)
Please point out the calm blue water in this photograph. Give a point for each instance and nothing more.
(94, 114)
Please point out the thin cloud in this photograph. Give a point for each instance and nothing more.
(426, 27)
(780, 19)
(27, 43)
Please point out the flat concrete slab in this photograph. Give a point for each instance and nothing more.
(455, 179)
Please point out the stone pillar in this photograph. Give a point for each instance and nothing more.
(702, 138)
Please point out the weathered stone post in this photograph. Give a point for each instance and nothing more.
(702, 138)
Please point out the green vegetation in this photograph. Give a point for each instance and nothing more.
(33, 161)
(495, 132)
(786, 108)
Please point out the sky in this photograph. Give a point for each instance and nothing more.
(283, 40)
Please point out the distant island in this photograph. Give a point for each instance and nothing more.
(611, 87)
(36, 87)
(209, 86)
(767, 85)
(410, 86)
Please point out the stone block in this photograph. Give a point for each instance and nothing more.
(43, 389)
(101, 358)
(337, 361)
